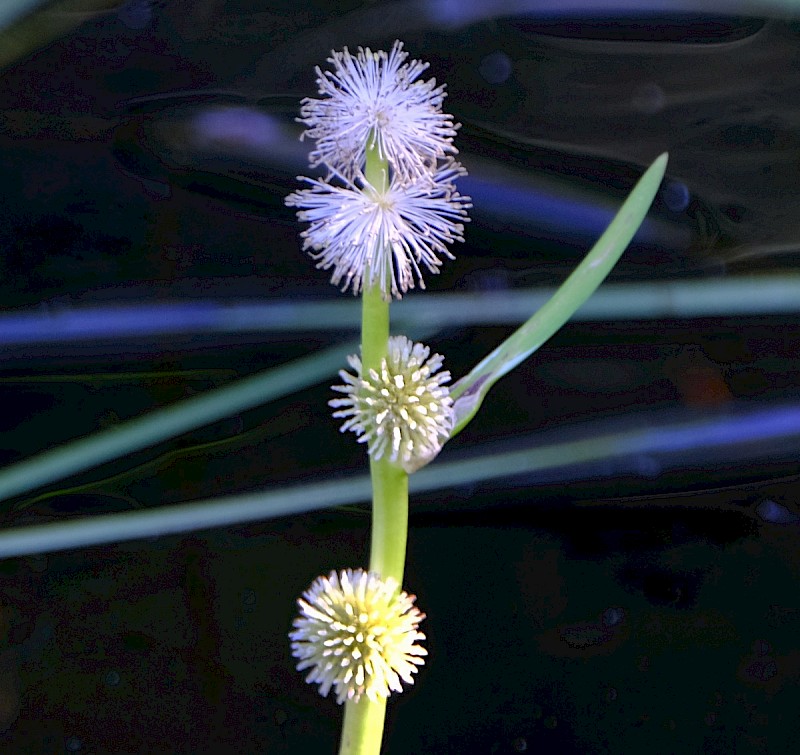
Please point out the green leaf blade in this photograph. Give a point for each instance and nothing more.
(469, 392)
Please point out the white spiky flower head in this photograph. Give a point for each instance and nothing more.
(358, 634)
(404, 410)
(377, 95)
(387, 236)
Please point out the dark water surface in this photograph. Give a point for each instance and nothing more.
(645, 601)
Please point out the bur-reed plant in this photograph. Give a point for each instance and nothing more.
(385, 214)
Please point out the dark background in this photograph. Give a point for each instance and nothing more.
(647, 602)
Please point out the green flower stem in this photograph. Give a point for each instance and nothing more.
(374, 306)
(362, 731)
(389, 482)
(389, 519)
(374, 327)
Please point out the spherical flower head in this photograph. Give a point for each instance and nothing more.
(404, 410)
(375, 95)
(367, 236)
(358, 634)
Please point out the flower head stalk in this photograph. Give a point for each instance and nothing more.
(383, 215)
(358, 635)
(377, 95)
(402, 411)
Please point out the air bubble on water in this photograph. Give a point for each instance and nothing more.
(775, 513)
(496, 67)
(73, 744)
(136, 14)
(676, 195)
(112, 678)
(648, 98)
(761, 647)
(520, 744)
(763, 669)
(646, 465)
(492, 280)
(613, 616)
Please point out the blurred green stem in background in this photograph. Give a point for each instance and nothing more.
(730, 296)
(648, 442)
(161, 424)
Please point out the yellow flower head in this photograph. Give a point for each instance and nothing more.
(358, 634)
